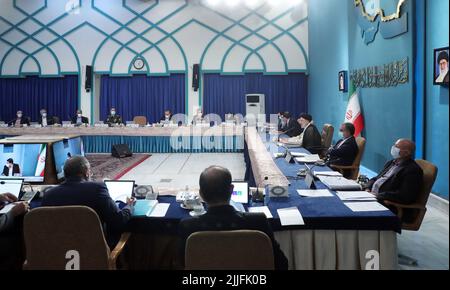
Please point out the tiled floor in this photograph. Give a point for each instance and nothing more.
(430, 246)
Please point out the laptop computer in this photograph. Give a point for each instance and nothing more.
(120, 190)
(14, 186)
(240, 193)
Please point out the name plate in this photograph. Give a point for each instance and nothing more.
(132, 125)
(101, 125)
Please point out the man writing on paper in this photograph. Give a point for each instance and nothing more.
(310, 139)
(401, 178)
(216, 189)
(79, 190)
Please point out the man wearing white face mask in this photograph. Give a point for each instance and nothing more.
(346, 149)
(401, 179)
(45, 120)
(79, 119)
(20, 120)
(113, 118)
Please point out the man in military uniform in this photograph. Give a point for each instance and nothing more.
(113, 118)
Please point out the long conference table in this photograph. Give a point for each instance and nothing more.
(333, 237)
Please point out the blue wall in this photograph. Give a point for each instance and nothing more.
(390, 113)
(437, 141)
(328, 53)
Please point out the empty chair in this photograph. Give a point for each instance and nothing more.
(229, 250)
(52, 234)
(327, 138)
(140, 120)
(352, 172)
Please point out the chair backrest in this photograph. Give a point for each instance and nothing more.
(50, 234)
(430, 172)
(140, 120)
(229, 250)
(361, 142)
(327, 135)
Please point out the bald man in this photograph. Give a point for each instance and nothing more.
(401, 179)
(216, 189)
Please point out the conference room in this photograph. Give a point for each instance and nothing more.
(237, 135)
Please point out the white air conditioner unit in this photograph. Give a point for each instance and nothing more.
(255, 105)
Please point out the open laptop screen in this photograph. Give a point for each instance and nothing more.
(11, 185)
(240, 192)
(119, 190)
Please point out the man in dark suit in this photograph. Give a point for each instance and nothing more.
(79, 119)
(11, 233)
(346, 149)
(291, 126)
(44, 119)
(11, 169)
(216, 189)
(167, 118)
(113, 118)
(401, 179)
(78, 190)
(20, 120)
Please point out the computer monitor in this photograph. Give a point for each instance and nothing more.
(11, 185)
(64, 150)
(240, 192)
(29, 161)
(119, 190)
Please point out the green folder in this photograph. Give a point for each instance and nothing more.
(144, 207)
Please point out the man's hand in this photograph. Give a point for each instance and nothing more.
(8, 197)
(284, 140)
(20, 209)
(131, 201)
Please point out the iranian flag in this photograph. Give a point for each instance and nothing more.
(354, 114)
(40, 167)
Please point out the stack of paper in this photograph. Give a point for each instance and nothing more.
(327, 173)
(309, 159)
(290, 217)
(299, 154)
(339, 183)
(365, 206)
(262, 209)
(314, 193)
(355, 196)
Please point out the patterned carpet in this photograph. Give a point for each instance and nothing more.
(104, 166)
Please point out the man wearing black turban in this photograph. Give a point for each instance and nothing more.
(443, 68)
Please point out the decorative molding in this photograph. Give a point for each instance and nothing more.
(380, 12)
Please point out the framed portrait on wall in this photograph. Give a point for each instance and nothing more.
(441, 76)
(343, 87)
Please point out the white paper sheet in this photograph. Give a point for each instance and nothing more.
(355, 196)
(315, 193)
(299, 154)
(290, 217)
(365, 206)
(160, 210)
(7, 208)
(327, 173)
(263, 209)
(309, 159)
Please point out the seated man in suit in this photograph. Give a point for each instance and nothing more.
(11, 242)
(216, 189)
(79, 119)
(291, 127)
(44, 119)
(113, 118)
(310, 139)
(20, 120)
(11, 169)
(79, 190)
(401, 179)
(346, 149)
(281, 121)
(167, 118)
